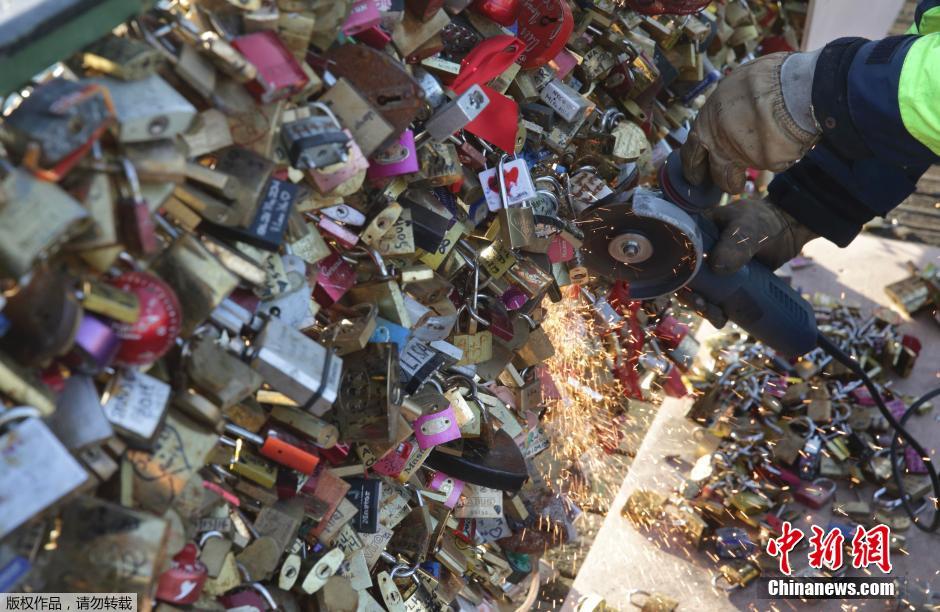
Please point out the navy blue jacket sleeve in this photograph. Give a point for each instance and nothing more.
(866, 162)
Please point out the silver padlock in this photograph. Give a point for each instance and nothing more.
(136, 405)
(36, 470)
(289, 361)
(564, 100)
(315, 141)
(456, 114)
(165, 114)
(79, 421)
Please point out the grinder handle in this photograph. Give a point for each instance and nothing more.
(757, 300)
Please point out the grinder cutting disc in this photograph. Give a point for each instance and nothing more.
(653, 245)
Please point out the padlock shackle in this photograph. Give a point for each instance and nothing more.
(18, 413)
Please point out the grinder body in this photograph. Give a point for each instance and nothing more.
(754, 297)
(757, 300)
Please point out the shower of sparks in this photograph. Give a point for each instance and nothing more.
(586, 423)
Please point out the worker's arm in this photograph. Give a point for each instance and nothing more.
(876, 105)
(869, 111)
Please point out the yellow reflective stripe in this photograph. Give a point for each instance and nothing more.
(929, 22)
(919, 91)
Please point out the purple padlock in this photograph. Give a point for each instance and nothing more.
(914, 462)
(776, 386)
(399, 158)
(96, 344)
(514, 298)
(447, 485)
(436, 428)
(897, 408)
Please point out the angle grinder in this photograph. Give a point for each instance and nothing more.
(658, 242)
(659, 247)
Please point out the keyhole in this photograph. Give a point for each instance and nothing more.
(383, 99)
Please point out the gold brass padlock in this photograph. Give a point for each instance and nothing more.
(653, 602)
(735, 574)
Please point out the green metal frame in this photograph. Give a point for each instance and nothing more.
(32, 44)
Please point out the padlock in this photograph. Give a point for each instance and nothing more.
(214, 547)
(121, 57)
(36, 217)
(816, 494)
(456, 114)
(136, 405)
(653, 602)
(290, 362)
(736, 574)
(136, 224)
(564, 100)
(384, 83)
(167, 113)
(278, 73)
(27, 446)
(733, 543)
(315, 141)
(368, 407)
(79, 559)
(277, 449)
(56, 125)
(183, 582)
(384, 291)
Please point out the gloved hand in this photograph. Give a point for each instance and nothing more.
(760, 116)
(755, 229)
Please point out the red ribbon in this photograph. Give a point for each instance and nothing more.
(499, 121)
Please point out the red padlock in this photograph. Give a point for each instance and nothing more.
(502, 12)
(183, 582)
(159, 323)
(544, 27)
(674, 385)
(670, 7)
(279, 74)
(671, 332)
(336, 454)
(256, 598)
(393, 462)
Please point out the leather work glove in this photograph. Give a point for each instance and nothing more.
(760, 116)
(755, 229)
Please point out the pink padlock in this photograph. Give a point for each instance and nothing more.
(447, 485)
(436, 428)
(363, 15)
(564, 63)
(183, 582)
(336, 277)
(560, 250)
(514, 298)
(897, 407)
(504, 394)
(326, 182)
(393, 462)
(375, 37)
(400, 158)
(549, 388)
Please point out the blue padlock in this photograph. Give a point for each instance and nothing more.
(733, 543)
